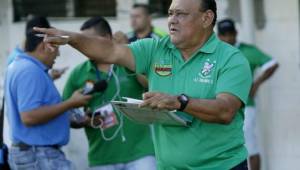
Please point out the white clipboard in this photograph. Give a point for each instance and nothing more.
(145, 115)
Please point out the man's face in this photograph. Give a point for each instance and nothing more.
(185, 21)
(139, 19)
(229, 37)
(50, 55)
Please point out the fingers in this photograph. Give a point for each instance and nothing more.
(151, 102)
(84, 97)
(154, 100)
(148, 95)
(49, 31)
(78, 91)
(56, 40)
(87, 97)
(53, 36)
(159, 101)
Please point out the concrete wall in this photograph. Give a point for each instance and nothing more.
(280, 97)
(4, 29)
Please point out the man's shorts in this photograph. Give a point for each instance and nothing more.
(250, 131)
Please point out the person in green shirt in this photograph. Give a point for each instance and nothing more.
(140, 20)
(257, 60)
(126, 145)
(206, 80)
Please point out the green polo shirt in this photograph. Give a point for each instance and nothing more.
(138, 137)
(215, 68)
(256, 59)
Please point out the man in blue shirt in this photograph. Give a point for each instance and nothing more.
(13, 54)
(54, 73)
(38, 119)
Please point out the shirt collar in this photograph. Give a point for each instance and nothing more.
(209, 46)
(34, 60)
(149, 35)
(90, 66)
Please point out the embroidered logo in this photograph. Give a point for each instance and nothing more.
(205, 74)
(206, 70)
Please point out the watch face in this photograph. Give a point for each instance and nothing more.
(184, 98)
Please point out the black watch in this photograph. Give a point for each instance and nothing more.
(183, 100)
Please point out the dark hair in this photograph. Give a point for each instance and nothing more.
(100, 25)
(209, 5)
(33, 41)
(145, 7)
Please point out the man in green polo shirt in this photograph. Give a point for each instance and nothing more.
(257, 60)
(191, 71)
(140, 20)
(132, 146)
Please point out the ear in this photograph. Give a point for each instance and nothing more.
(207, 18)
(44, 48)
(41, 47)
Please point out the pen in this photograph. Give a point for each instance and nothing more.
(44, 35)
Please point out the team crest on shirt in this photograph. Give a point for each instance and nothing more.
(163, 69)
(207, 68)
(205, 73)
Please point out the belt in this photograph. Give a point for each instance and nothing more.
(24, 146)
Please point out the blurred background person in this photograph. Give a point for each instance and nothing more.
(141, 24)
(38, 119)
(257, 60)
(121, 144)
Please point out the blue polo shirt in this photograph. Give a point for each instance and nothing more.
(28, 87)
(15, 52)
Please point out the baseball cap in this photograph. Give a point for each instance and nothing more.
(225, 26)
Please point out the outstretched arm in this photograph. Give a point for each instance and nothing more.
(95, 48)
(266, 74)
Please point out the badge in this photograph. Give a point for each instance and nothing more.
(107, 116)
(163, 69)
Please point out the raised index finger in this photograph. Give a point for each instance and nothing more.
(48, 31)
(148, 95)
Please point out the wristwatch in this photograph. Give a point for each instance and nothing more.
(183, 100)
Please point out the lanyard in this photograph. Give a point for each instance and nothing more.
(108, 77)
(109, 74)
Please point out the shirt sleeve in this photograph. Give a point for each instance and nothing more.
(235, 77)
(143, 51)
(261, 57)
(31, 86)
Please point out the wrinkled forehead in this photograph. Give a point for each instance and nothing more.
(185, 5)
